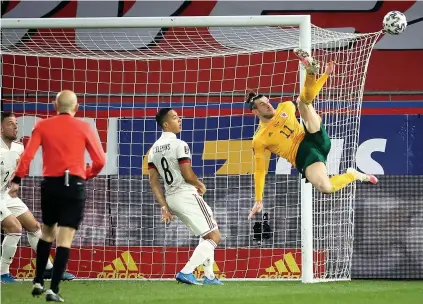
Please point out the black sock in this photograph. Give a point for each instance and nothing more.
(59, 266)
(43, 252)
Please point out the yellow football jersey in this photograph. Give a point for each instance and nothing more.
(282, 136)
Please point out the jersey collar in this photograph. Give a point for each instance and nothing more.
(168, 135)
(3, 144)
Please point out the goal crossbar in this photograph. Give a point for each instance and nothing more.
(148, 22)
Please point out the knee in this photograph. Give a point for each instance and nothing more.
(17, 227)
(12, 225)
(324, 187)
(35, 227)
(303, 100)
(305, 97)
(214, 236)
(217, 239)
(49, 233)
(65, 237)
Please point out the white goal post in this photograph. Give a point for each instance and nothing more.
(324, 220)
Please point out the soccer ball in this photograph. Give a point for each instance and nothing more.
(394, 23)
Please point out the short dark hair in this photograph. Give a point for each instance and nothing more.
(5, 115)
(251, 98)
(161, 116)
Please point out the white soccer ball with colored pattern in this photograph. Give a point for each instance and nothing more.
(394, 23)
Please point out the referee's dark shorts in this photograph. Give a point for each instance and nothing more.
(63, 204)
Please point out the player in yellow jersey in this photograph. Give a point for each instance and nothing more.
(306, 145)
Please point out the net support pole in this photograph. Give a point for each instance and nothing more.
(306, 188)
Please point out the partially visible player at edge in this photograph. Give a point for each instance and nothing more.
(170, 158)
(14, 214)
(64, 140)
(306, 148)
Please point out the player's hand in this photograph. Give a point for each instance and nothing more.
(13, 190)
(167, 217)
(330, 67)
(258, 206)
(202, 189)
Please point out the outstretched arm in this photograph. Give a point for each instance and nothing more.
(259, 177)
(259, 172)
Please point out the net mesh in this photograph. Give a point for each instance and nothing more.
(123, 77)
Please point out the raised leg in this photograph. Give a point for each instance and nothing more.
(311, 89)
(316, 174)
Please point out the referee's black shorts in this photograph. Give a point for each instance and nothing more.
(63, 204)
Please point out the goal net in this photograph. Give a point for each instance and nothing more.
(122, 76)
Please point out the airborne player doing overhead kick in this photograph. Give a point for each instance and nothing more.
(305, 147)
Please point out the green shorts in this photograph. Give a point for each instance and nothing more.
(314, 148)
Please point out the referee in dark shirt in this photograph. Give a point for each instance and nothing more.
(64, 140)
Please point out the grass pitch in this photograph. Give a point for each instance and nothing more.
(131, 292)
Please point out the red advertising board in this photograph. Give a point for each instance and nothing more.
(162, 262)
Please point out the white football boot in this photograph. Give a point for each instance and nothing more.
(362, 177)
(310, 64)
